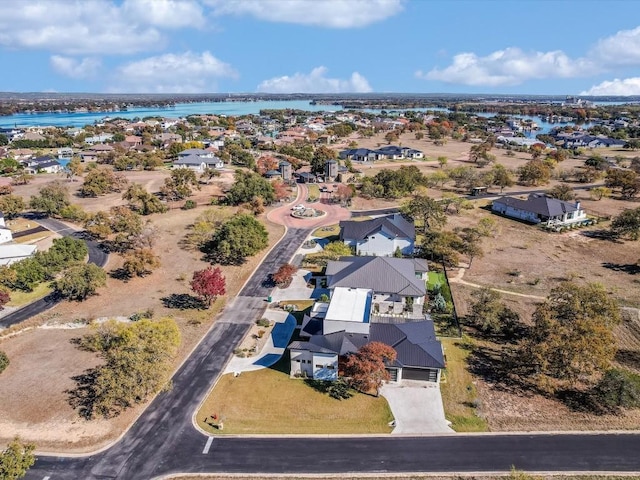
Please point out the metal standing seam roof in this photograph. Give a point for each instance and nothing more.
(380, 274)
(415, 343)
(196, 160)
(540, 205)
(395, 224)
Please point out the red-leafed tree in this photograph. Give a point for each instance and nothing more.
(284, 275)
(344, 192)
(365, 369)
(280, 189)
(4, 298)
(266, 163)
(209, 284)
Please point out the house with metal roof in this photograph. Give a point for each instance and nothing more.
(398, 284)
(381, 236)
(419, 353)
(538, 208)
(198, 163)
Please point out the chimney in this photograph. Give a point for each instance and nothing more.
(578, 205)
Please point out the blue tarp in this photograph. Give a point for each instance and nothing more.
(282, 332)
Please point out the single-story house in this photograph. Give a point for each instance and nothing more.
(381, 236)
(14, 252)
(398, 284)
(538, 208)
(200, 152)
(306, 177)
(198, 163)
(419, 353)
(45, 164)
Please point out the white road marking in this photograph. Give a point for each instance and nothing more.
(207, 446)
(46, 478)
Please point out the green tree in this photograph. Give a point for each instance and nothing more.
(178, 185)
(489, 313)
(627, 224)
(247, 186)
(534, 172)
(3, 140)
(80, 282)
(143, 201)
(562, 191)
(427, 212)
(236, 239)
(442, 161)
(619, 388)
(74, 168)
(501, 177)
(140, 262)
(442, 245)
(11, 205)
(16, 459)
(101, 181)
(335, 250)
(21, 178)
(51, 199)
(28, 273)
(572, 334)
(137, 362)
(598, 193)
(4, 361)
(627, 181)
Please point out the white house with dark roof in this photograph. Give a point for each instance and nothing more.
(11, 252)
(419, 353)
(539, 208)
(198, 159)
(381, 236)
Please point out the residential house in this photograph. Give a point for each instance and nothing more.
(45, 164)
(538, 208)
(398, 284)
(93, 153)
(11, 252)
(103, 137)
(381, 236)
(347, 326)
(198, 163)
(388, 152)
(65, 153)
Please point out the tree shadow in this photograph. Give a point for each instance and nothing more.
(582, 401)
(321, 386)
(630, 268)
(501, 370)
(183, 301)
(601, 234)
(629, 358)
(83, 397)
(120, 274)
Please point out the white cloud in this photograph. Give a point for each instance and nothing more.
(321, 13)
(166, 13)
(623, 48)
(617, 86)
(172, 73)
(70, 67)
(510, 66)
(315, 82)
(91, 27)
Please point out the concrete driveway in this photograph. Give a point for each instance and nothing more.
(417, 407)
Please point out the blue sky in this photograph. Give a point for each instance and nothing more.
(317, 46)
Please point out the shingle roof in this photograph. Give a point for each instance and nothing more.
(415, 343)
(380, 274)
(196, 160)
(395, 224)
(540, 205)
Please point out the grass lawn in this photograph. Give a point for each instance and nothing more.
(458, 391)
(314, 192)
(20, 298)
(300, 305)
(329, 231)
(268, 401)
(434, 278)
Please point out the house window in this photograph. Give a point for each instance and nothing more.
(330, 367)
(297, 360)
(319, 366)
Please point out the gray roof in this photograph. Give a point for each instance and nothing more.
(193, 151)
(415, 343)
(395, 224)
(380, 274)
(540, 205)
(196, 160)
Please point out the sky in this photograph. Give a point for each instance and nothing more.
(545, 47)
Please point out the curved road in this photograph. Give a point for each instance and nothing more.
(163, 440)
(96, 255)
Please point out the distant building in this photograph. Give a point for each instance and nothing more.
(539, 208)
(330, 170)
(285, 170)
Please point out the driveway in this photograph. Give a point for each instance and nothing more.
(417, 408)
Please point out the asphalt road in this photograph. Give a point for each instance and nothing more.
(96, 255)
(163, 439)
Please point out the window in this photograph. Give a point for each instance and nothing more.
(297, 360)
(330, 367)
(319, 366)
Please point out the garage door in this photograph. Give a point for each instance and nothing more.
(425, 374)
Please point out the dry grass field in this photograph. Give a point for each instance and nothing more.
(33, 402)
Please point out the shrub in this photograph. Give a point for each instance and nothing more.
(189, 204)
(619, 388)
(263, 322)
(261, 333)
(339, 389)
(324, 298)
(4, 361)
